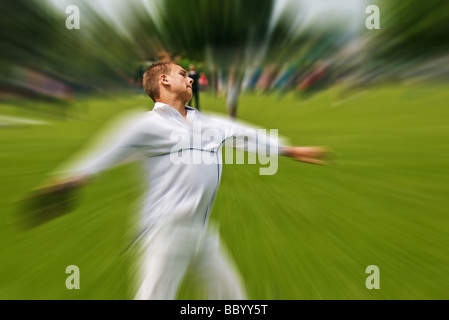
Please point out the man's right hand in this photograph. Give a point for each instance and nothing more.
(319, 155)
(50, 200)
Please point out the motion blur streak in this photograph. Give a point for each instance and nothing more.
(311, 69)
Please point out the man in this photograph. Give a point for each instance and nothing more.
(175, 233)
(195, 89)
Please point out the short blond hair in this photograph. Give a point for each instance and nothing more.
(152, 75)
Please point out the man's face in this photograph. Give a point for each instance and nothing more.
(180, 83)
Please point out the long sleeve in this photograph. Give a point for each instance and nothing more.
(113, 147)
(244, 137)
(249, 138)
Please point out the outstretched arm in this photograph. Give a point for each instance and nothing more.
(112, 147)
(59, 193)
(257, 141)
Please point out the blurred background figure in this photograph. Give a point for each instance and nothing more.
(203, 82)
(314, 81)
(233, 93)
(195, 86)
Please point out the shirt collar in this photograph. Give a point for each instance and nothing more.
(191, 112)
(159, 105)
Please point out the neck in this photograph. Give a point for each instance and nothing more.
(176, 104)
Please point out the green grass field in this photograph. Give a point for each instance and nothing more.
(307, 232)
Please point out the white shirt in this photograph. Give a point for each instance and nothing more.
(183, 160)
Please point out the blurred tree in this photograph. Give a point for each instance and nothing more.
(97, 56)
(411, 29)
(228, 35)
(239, 38)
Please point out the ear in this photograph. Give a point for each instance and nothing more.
(164, 79)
